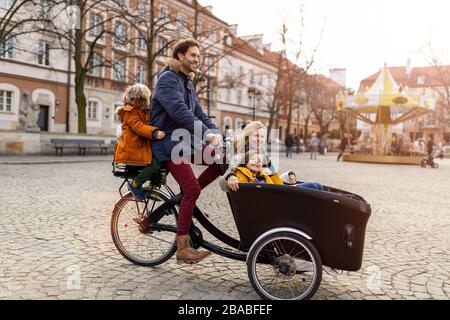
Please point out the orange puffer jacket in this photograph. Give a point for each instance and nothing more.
(133, 147)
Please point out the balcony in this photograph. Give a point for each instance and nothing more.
(95, 82)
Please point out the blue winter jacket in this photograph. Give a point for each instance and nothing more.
(175, 105)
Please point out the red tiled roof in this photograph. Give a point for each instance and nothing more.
(206, 12)
(326, 82)
(245, 47)
(432, 76)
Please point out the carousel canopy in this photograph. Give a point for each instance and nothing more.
(385, 95)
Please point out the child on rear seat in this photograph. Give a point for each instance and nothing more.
(133, 147)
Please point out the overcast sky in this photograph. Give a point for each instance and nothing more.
(359, 35)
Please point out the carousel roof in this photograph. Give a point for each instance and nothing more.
(385, 92)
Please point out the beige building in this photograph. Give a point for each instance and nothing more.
(232, 67)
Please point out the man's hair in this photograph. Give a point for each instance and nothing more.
(183, 47)
(292, 173)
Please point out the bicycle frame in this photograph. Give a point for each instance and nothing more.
(195, 233)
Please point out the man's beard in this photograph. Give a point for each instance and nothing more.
(189, 67)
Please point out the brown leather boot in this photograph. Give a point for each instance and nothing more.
(143, 224)
(187, 254)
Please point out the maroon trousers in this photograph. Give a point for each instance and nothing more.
(191, 188)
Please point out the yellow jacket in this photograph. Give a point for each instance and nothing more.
(244, 175)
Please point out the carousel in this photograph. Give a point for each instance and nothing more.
(384, 106)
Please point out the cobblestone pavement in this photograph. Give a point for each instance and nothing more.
(55, 240)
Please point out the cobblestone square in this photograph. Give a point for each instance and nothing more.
(55, 240)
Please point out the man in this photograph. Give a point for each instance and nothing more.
(430, 146)
(289, 142)
(344, 143)
(176, 106)
(314, 145)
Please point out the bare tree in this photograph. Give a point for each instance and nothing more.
(83, 44)
(441, 73)
(20, 17)
(293, 71)
(275, 103)
(217, 43)
(17, 17)
(151, 35)
(322, 95)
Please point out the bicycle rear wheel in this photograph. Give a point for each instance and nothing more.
(149, 249)
(284, 266)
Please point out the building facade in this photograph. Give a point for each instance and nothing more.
(236, 79)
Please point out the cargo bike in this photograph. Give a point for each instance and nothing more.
(286, 234)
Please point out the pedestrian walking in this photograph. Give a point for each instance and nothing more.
(314, 145)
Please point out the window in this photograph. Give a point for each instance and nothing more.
(6, 49)
(45, 9)
(142, 44)
(181, 22)
(92, 110)
(199, 29)
(239, 96)
(421, 79)
(95, 25)
(209, 61)
(120, 34)
(163, 45)
(6, 4)
(43, 53)
(140, 74)
(212, 34)
(95, 65)
(227, 94)
(116, 116)
(119, 70)
(5, 100)
(163, 14)
(142, 7)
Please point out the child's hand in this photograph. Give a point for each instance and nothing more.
(161, 135)
(233, 183)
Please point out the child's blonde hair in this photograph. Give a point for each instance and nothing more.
(137, 93)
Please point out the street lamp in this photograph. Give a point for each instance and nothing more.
(207, 82)
(254, 94)
(208, 94)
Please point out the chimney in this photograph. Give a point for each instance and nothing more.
(234, 29)
(256, 41)
(339, 76)
(408, 69)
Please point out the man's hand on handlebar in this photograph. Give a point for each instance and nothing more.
(215, 140)
(233, 183)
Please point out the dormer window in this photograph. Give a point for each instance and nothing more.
(421, 79)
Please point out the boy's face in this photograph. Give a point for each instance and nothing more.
(292, 179)
(255, 163)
